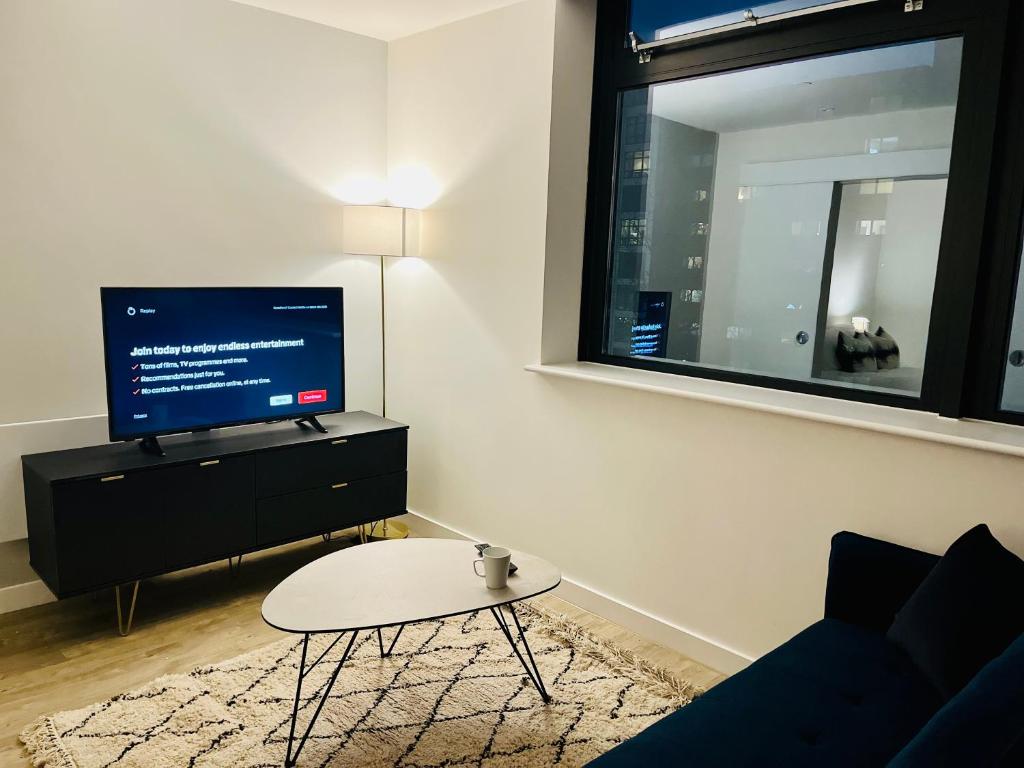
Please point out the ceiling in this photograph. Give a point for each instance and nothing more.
(383, 19)
(899, 77)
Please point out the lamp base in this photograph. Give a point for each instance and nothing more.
(386, 530)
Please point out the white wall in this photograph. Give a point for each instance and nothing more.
(157, 142)
(714, 518)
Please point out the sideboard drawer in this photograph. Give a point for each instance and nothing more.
(328, 462)
(329, 508)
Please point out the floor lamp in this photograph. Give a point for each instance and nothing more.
(382, 231)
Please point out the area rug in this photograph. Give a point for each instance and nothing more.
(452, 694)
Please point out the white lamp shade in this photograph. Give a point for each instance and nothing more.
(381, 230)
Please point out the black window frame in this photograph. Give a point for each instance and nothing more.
(1004, 245)
(967, 287)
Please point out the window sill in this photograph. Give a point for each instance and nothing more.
(966, 433)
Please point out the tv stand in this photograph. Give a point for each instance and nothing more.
(313, 422)
(151, 446)
(211, 498)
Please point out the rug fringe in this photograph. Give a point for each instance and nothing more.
(665, 683)
(44, 746)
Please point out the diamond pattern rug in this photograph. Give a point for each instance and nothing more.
(452, 694)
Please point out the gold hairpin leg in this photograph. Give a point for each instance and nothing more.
(124, 628)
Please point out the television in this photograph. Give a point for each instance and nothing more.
(193, 359)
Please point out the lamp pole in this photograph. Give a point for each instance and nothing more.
(382, 231)
(383, 348)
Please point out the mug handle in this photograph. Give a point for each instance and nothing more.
(475, 570)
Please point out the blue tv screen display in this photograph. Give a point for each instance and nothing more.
(183, 359)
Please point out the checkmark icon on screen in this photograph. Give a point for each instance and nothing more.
(136, 379)
(136, 391)
(135, 367)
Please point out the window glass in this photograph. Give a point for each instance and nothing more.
(1013, 375)
(785, 220)
(658, 19)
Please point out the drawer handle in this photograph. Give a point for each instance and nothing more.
(336, 486)
(111, 478)
(338, 442)
(209, 463)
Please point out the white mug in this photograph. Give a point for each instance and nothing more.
(495, 560)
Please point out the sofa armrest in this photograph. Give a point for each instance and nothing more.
(869, 580)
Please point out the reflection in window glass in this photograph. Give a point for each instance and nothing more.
(785, 220)
(881, 283)
(1013, 376)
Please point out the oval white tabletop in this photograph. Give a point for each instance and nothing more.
(396, 582)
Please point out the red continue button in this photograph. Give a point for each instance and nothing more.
(312, 396)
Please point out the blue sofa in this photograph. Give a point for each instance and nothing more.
(840, 694)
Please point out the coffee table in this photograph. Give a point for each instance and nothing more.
(390, 584)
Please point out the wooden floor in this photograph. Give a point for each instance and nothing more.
(68, 654)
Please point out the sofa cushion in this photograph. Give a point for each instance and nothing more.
(980, 725)
(854, 353)
(836, 694)
(965, 613)
(869, 580)
(887, 351)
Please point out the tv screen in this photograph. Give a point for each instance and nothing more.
(184, 359)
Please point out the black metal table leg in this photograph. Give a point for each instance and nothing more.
(290, 759)
(531, 669)
(295, 707)
(380, 641)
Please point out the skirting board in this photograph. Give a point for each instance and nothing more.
(641, 622)
(659, 630)
(18, 596)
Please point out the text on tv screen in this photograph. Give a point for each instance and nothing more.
(181, 359)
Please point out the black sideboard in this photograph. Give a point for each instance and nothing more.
(109, 515)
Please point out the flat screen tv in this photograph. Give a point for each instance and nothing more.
(191, 359)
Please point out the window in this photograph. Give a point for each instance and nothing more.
(806, 226)
(780, 208)
(660, 19)
(632, 232)
(640, 161)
